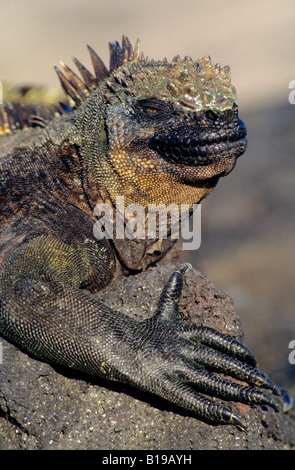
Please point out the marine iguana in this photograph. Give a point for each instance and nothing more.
(153, 132)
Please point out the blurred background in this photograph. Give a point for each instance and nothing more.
(248, 223)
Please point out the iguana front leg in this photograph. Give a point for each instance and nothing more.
(44, 312)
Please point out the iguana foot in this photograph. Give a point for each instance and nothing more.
(180, 363)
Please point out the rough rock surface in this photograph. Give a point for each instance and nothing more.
(45, 408)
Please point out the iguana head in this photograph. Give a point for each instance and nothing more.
(154, 131)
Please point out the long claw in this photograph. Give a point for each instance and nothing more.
(168, 303)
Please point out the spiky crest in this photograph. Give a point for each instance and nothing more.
(15, 116)
(78, 89)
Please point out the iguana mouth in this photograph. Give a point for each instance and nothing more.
(197, 150)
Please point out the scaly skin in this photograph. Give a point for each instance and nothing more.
(155, 133)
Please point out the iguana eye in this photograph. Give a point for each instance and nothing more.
(151, 111)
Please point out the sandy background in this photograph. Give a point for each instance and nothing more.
(248, 245)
